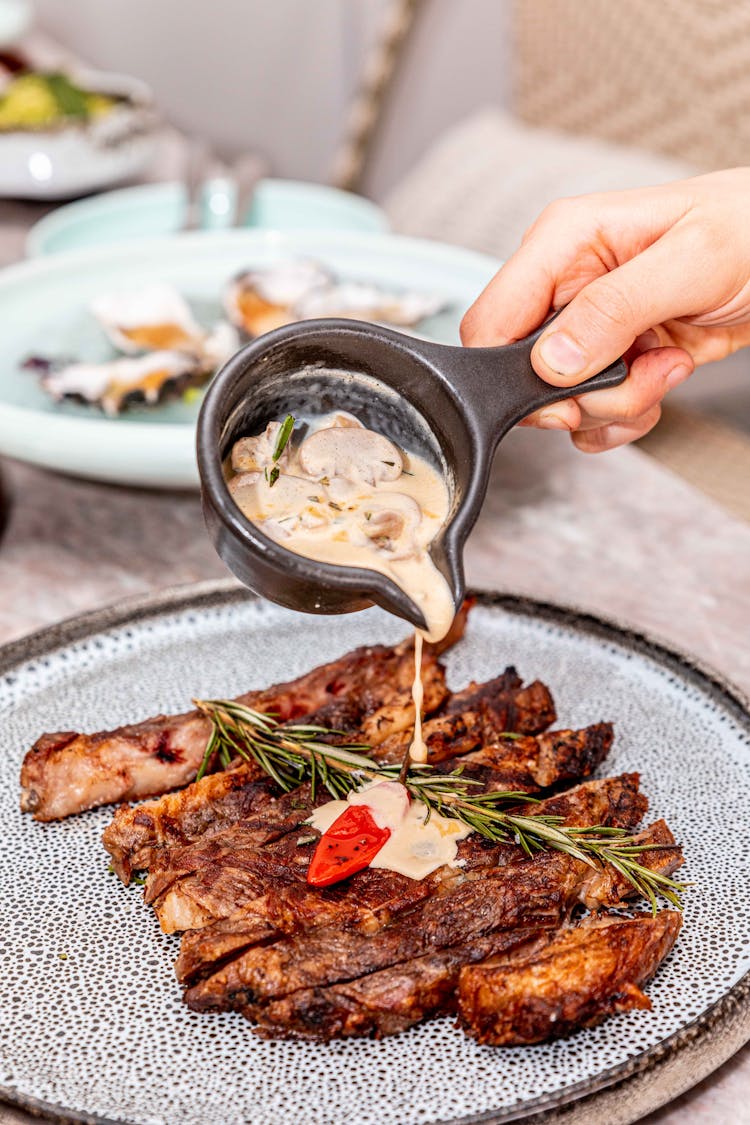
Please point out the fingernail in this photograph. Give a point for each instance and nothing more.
(548, 420)
(562, 354)
(677, 375)
(647, 340)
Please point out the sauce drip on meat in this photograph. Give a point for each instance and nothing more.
(418, 749)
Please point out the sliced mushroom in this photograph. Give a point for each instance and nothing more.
(242, 481)
(342, 491)
(391, 524)
(351, 452)
(254, 454)
(344, 420)
(385, 525)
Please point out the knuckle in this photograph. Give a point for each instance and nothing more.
(651, 419)
(591, 441)
(468, 326)
(608, 304)
(529, 233)
(636, 404)
(557, 213)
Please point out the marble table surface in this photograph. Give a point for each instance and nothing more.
(615, 534)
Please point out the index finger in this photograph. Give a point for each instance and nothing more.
(553, 260)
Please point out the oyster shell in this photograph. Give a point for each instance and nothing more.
(259, 300)
(361, 301)
(166, 352)
(219, 344)
(156, 318)
(256, 301)
(116, 384)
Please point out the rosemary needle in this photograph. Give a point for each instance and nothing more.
(285, 432)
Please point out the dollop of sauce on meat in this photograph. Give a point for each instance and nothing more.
(416, 846)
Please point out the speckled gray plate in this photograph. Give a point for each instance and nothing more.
(91, 1022)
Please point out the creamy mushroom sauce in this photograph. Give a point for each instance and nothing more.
(340, 493)
(347, 495)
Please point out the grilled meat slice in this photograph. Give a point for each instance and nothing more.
(614, 802)
(67, 772)
(536, 892)
(390, 1001)
(474, 717)
(531, 763)
(527, 710)
(227, 866)
(283, 861)
(566, 755)
(492, 693)
(135, 835)
(588, 972)
(606, 887)
(190, 886)
(445, 736)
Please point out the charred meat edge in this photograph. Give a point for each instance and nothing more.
(586, 973)
(67, 772)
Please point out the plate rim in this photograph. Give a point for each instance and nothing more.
(627, 1090)
(145, 194)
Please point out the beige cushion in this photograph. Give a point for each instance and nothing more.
(672, 76)
(487, 179)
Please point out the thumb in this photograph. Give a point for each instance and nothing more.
(606, 316)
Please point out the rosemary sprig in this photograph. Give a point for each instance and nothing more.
(294, 753)
(282, 439)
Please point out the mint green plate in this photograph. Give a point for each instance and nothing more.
(44, 310)
(155, 210)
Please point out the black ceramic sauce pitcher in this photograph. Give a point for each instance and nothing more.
(451, 405)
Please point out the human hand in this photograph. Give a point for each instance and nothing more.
(660, 275)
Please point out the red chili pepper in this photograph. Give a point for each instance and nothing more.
(352, 841)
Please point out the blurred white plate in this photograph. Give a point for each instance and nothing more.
(73, 158)
(155, 210)
(44, 310)
(15, 20)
